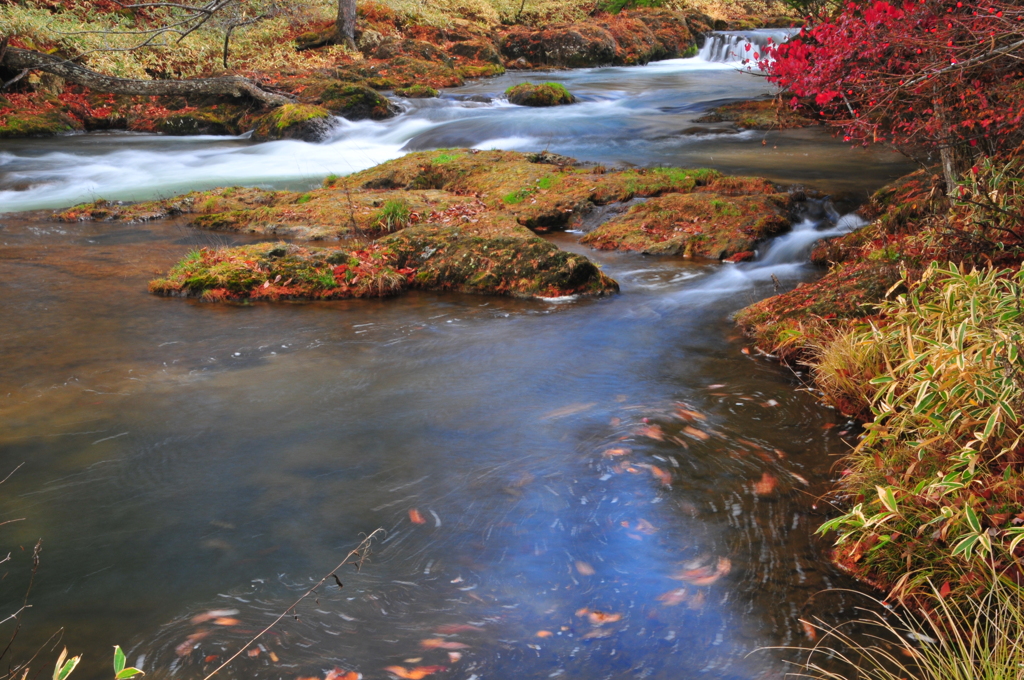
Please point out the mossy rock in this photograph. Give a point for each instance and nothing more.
(434, 258)
(401, 71)
(445, 258)
(572, 46)
(199, 123)
(480, 70)
(416, 92)
(542, 94)
(356, 102)
(391, 47)
(48, 122)
(765, 114)
(304, 122)
(706, 225)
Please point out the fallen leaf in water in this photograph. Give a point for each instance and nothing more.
(705, 576)
(584, 569)
(582, 612)
(645, 527)
(543, 633)
(341, 674)
(212, 614)
(226, 621)
(766, 485)
(438, 643)
(809, 630)
(186, 647)
(597, 633)
(697, 601)
(415, 517)
(452, 628)
(254, 652)
(454, 656)
(694, 432)
(211, 658)
(745, 350)
(273, 657)
(624, 523)
(800, 479)
(417, 673)
(688, 415)
(716, 386)
(569, 410)
(600, 618)
(771, 402)
(615, 422)
(673, 597)
(415, 659)
(617, 452)
(661, 475)
(652, 431)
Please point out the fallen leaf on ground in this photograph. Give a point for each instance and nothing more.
(584, 568)
(661, 475)
(415, 517)
(417, 673)
(766, 485)
(673, 597)
(694, 432)
(438, 643)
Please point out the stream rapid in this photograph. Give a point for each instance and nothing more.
(605, 488)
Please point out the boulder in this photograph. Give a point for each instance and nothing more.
(304, 122)
(543, 94)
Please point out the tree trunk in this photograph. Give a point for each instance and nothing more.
(947, 152)
(234, 86)
(345, 26)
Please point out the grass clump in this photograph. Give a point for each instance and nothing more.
(975, 639)
(937, 479)
(393, 215)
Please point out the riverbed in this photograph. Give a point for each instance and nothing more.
(604, 488)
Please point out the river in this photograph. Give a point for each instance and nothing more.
(610, 488)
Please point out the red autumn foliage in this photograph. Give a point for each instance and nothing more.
(930, 77)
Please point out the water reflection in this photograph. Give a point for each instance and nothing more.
(611, 472)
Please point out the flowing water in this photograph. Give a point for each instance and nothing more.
(595, 488)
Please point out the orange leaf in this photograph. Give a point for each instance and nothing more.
(673, 597)
(543, 633)
(694, 432)
(341, 674)
(584, 568)
(415, 517)
(438, 643)
(662, 476)
(809, 631)
(652, 431)
(617, 452)
(417, 673)
(600, 618)
(766, 485)
(226, 621)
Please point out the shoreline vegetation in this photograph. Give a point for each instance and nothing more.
(916, 328)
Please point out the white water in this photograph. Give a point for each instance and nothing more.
(625, 114)
(736, 47)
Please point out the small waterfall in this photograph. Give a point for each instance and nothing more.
(730, 46)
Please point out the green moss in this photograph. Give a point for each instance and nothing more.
(690, 51)
(416, 92)
(304, 198)
(293, 121)
(393, 215)
(45, 123)
(517, 196)
(544, 94)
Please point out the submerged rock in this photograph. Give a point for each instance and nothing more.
(543, 94)
(304, 122)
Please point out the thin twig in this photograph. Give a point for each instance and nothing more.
(359, 551)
